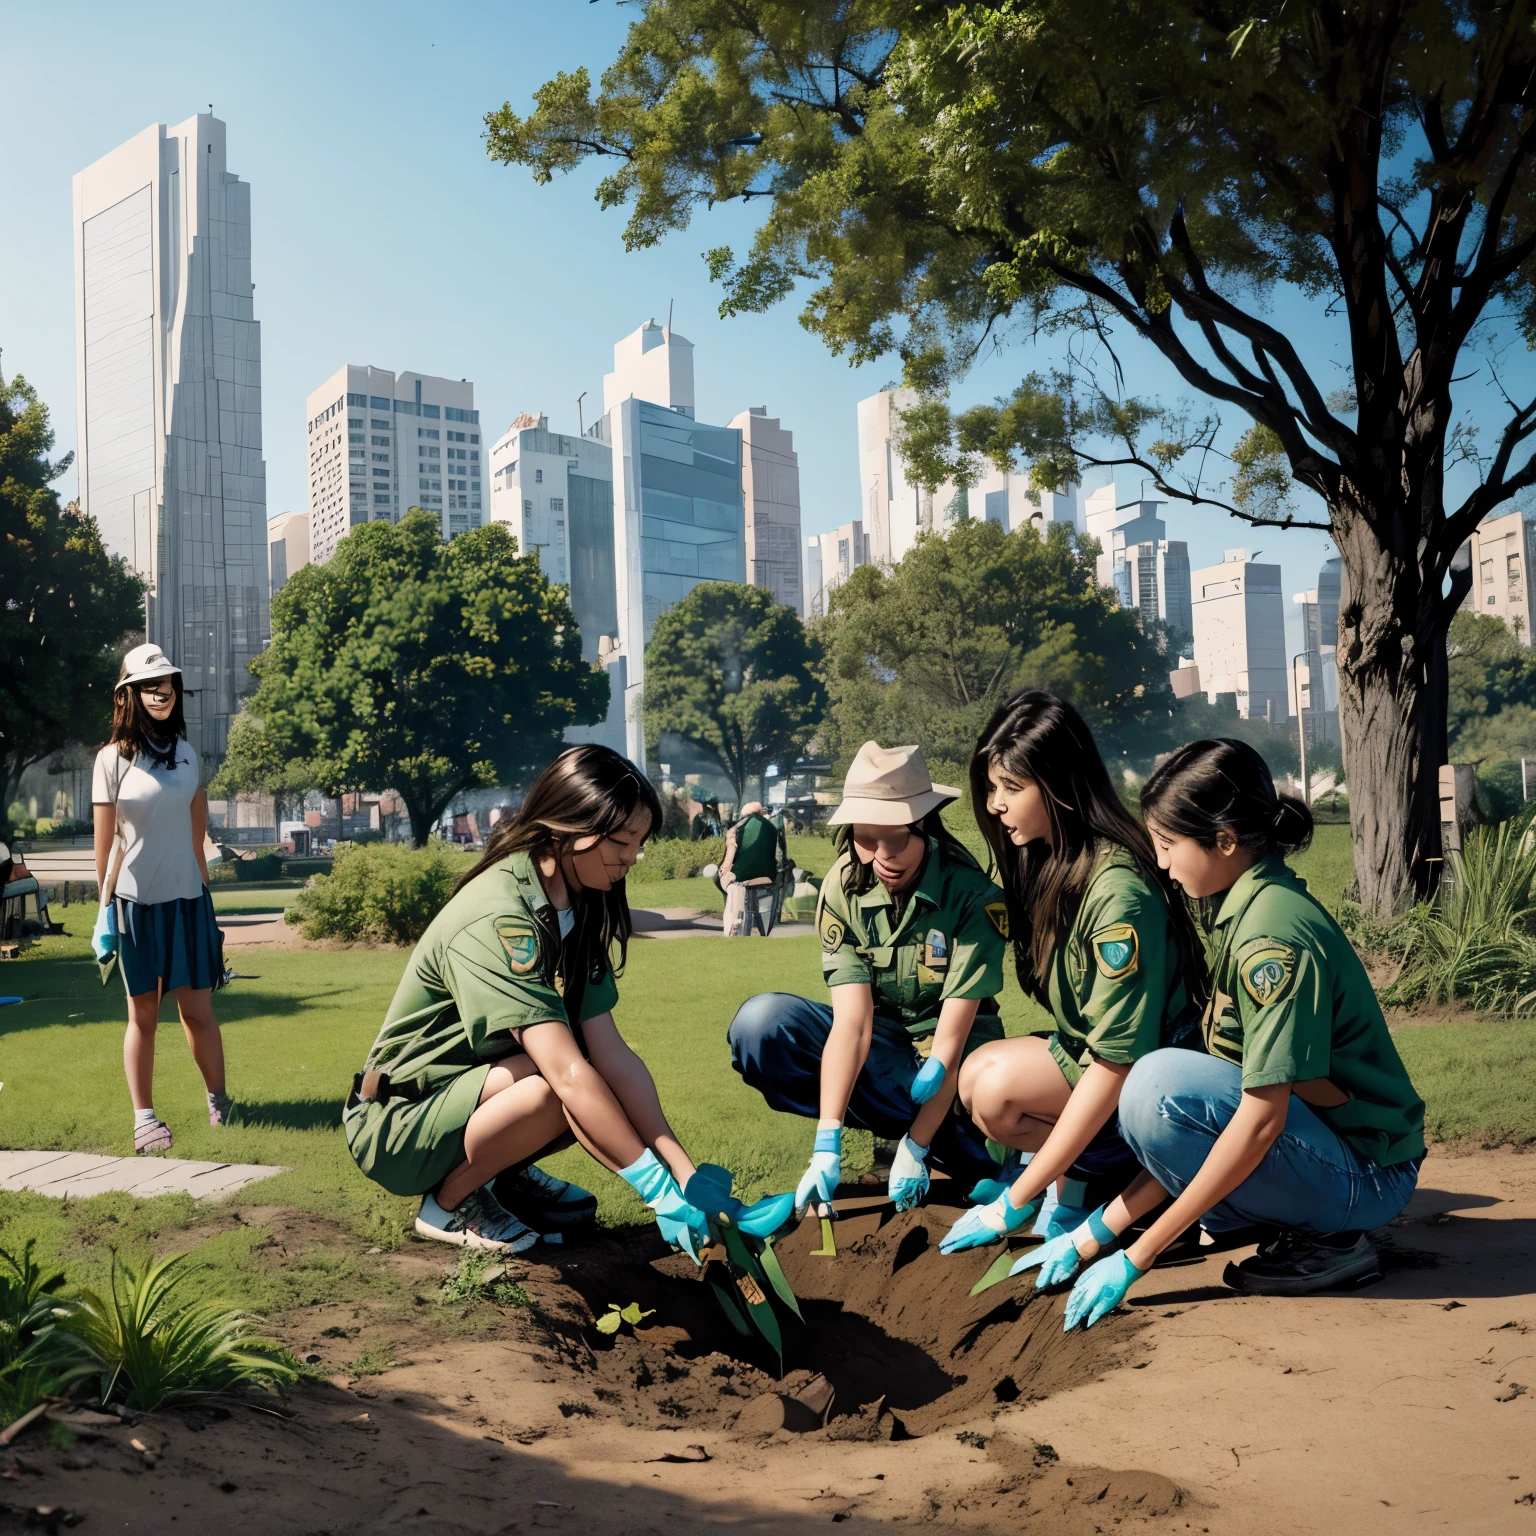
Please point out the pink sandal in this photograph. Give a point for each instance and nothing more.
(154, 1137)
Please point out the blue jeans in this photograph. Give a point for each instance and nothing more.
(1176, 1103)
(776, 1043)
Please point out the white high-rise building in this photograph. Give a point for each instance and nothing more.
(381, 443)
(287, 547)
(1005, 500)
(895, 510)
(1503, 552)
(1148, 571)
(1239, 625)
(770, 483)
(168, 378)
(830, 559)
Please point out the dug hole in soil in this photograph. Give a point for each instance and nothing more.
(889, 1327)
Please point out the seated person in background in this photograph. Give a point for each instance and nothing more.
(749, 872)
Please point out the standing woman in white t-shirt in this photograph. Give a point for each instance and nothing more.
(156, 912)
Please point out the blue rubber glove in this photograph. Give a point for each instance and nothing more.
(929, 1079)
(683, 1225)
(1056, 1218)
(104, 934)
(909, 1174)
(987, 1223)
(1059, 1258)
(1101, 1289)
(826, 1171)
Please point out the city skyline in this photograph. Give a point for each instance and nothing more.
(522, 290)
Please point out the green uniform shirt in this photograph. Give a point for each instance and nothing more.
(949, 942)
(757, 849)
(1291, 1003)
(1116, 989)
(475, 976)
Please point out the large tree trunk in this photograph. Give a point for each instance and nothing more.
(1392, 710)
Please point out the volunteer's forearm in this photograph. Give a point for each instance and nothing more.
(1141, 1195)
(1093, 1101)
(105, 818)
(200, 831)
(581, 1089)
(1252, 1131)
(847, 1048)
(634, 1087)
(949, 1036)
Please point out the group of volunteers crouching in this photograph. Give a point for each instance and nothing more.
(1219, 1073)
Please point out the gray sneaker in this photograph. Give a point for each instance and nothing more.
(478, 1221)
(1301, 1264)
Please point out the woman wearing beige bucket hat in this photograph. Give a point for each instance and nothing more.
(912, 936)
(156, 919)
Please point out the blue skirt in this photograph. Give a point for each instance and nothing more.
(169, 945)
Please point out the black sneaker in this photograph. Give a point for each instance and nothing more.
(1301, 1264)
(544, 1202)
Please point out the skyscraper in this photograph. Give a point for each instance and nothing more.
(1005, 500)
(1239, 629)
(830, 559)
(770, 482)
(168, 378)
(1148, 571)
(381, 443)
(895, 510)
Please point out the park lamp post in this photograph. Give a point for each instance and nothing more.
(1301, 679)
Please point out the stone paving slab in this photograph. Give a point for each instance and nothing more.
(78, 1174)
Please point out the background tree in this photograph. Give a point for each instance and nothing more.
(66, 606)
(926, 650)
(255, 764)
(734, 674)
(945, 174)
(423, 667)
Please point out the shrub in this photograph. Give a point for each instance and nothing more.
(382, 893)
(38, 1357)
(265, 866)
(1500, 789)
(1476, 941)
(676, 858)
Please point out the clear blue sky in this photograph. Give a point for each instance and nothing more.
(383, 234)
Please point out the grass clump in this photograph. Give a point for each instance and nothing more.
(481, 1274)
(380, 893)
(1476, 941)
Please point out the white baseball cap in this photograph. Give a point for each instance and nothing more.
(143, 663)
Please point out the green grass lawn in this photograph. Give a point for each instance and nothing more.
(270, 896)
(295, 1035)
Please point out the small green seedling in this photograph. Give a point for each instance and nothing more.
(616, 1315)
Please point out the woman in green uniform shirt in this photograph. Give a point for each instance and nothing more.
(1302, 1118)
(1101, 940)
(912, 950)
(500, 1040)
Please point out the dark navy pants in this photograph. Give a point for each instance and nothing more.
(776, 1043)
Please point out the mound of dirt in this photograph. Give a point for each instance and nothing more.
(887, 1322)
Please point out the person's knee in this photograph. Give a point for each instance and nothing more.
(757, 1021)
(981, 1087)
(1168, 1085)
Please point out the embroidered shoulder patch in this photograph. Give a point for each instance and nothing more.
(997, 911)
(1268, 969)
(1115, 951)
(517, 939)
(833, 931)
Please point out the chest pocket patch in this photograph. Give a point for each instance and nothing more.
(517, 939)
(1268, 970)
(1115, 951)
(936, 951)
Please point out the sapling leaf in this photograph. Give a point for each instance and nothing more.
(634, 1316)
(610, 1320)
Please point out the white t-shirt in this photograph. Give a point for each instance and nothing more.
(154, 824)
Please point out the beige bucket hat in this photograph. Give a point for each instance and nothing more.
(889, 787)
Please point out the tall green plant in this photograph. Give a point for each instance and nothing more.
(39, 1357)
(153, 1347)
(1476, 942)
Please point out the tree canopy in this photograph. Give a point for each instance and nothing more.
(936, 178)
(421, 666)
(926, 650)
(734, 674)
(66, 605)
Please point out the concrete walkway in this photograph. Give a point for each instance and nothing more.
(78, 1174)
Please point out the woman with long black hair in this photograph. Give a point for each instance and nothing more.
(1101, 940)
(1301, 1118)
(156, 917)
(912, 950)
(500, 1041)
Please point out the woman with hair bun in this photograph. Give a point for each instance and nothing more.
(1301, 1119)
